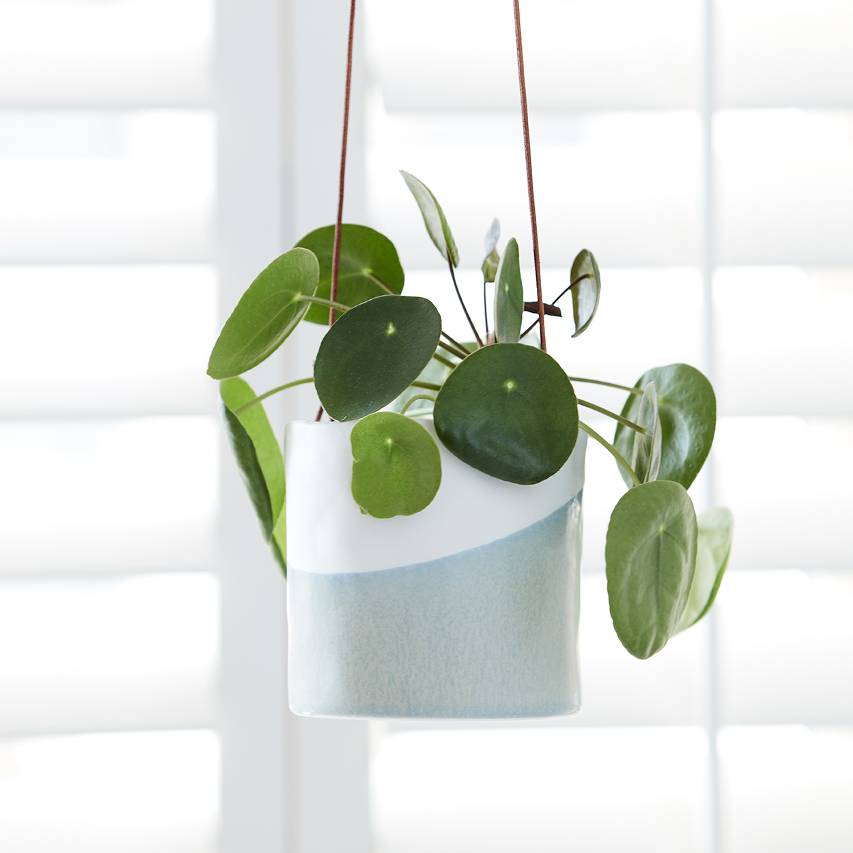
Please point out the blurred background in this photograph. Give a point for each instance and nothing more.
(156, 154)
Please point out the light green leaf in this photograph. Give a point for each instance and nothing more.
(434, 219)
(510, 411)
(687, 409)
(259, 459)
(712, 558)
(492, 258)
(587, 290)
(396, 467)
(651, 557)
(369, 266)
(509, 296)
(266, 314)
(647, 448)
(373, 353)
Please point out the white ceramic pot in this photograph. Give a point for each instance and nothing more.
(467, 609)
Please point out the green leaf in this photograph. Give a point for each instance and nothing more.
(396, 468)
(492, 258)
(265, 315)
(510, 411)
(434, 219)
(650, 556)
(373, 353)
(509, 296)
(587, 290)
(647, 448)
(712, 559)
(259, 459)
(688, 415)
(369, 266)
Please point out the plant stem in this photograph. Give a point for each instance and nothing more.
(606, 384)
(412, 400)
(462, 303)
(554, 301)
(429, 386)
(485, 308)
(442, 360)
(620, 459)
(272, 391)
(329, 303)
(452, 349)
(460, 347)
(602, 411)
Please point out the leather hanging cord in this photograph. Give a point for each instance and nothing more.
(336, 250)
(525, 125)
(342, 174)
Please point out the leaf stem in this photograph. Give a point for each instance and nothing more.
(452, 349)
(442, 360)
(606, 384)
(462, 303)
(329, 303)
(429, 386)
(620, 459)
(460, 347)
(412, 400)
(485, 307)
(602, 411)
(554, 301)
(272, 391)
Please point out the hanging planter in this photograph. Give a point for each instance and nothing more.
(431, 531)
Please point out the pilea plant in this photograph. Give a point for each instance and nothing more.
(497, 401)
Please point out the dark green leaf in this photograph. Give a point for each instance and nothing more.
(509, 296)
(434, 219)
(492, 259)
(586, 291)
(373, 353)
(510, 411)
(260, 461)
(396, 467)
(651, 557)
(265, 315)
(369, 266)
(712, 558)
(688, 415)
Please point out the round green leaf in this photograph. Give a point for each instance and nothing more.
(647, 448)
(510, 411)
(259, 458)
(687, 409)
(509, 296)
(373, 353)
(369, 266)
(434, 219)
(492, 258)
(266, 314)
(396, 467)
(712, 558)
(586, 290)
(650, 557)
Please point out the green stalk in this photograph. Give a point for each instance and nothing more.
(442, 360)
(462, 303)
(455, 343)
(607, 384)
(272, 391)
(452, 349)
(329, 303)
(429, 386)
(412, 400)
(620, 459)
(602, 411)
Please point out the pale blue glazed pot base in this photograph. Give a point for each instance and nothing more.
(490, 632)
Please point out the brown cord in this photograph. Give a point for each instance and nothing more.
(336, 246)
(525, 124)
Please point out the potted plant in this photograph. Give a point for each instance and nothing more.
(444, 578)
